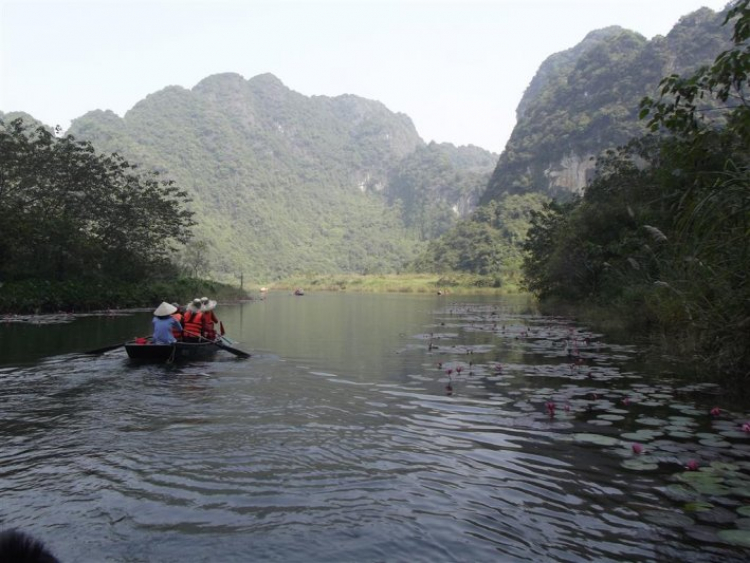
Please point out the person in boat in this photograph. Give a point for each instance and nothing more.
(178, 316)
(209, 318)
(193, 321)
(164, 324)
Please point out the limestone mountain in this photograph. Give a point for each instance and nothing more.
(285, 183)
(585, 100)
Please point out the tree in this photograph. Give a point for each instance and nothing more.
(72, 213)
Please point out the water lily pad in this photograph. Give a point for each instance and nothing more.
(681, 421)
(679, 493)
(597, 439)
(644, 435)
(715, 443)
(698, 506)
(651, 421)
(736, 537)
(724, 466)
(611, 417)
(743, 491)
(712, 489)
(744, 510)
(640, 464)
(681, 434)
(692, 477)
(651, 403)
(734, 434)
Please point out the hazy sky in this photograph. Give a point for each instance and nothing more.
(457, 68)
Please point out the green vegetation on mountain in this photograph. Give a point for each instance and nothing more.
(436, 183)
(585, 100)
(489, 243)
(661, 236)
(285, 184)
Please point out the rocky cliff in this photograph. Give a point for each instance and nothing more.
(585, 100)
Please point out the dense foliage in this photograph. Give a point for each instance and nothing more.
(585, 100)
(73, 214)
(80, 295)
(663, 234)
(489, 243)
(284, 184)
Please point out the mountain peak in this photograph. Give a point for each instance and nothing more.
(221, 81)
(266, 79)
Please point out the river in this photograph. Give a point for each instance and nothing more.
(368, 428)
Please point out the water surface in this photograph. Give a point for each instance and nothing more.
(368, 428)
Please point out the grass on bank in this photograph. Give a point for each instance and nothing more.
(400, 283)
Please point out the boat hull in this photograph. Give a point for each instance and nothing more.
(167, 353)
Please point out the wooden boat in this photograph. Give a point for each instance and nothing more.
(142, 350)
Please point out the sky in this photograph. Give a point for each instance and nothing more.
(457, 68)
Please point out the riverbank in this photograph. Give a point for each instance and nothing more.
(46, 298)
(465, 284)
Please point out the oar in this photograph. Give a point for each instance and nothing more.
(105, 349)
(108, 348)
(220, 342)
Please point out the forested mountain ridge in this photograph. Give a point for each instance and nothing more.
(585, 100)
(284, 183)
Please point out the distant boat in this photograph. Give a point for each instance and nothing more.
(299, 291)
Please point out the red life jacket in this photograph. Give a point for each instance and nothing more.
(209, 331)
(193, 327)
(177, 333)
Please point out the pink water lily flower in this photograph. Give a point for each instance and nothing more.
(551, 408)
(746, 427)
(637, 448)
(692, 465)
(716, 411)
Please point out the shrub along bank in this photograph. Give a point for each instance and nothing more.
(33, 296)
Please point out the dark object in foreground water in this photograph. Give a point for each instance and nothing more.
(17, 547)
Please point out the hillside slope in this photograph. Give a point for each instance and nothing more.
(285, 183)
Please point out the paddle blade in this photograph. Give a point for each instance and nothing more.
(239, 353)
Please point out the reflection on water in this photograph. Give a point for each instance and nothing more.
(371, 428)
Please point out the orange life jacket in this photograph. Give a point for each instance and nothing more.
(193, 327)
(177, 333)
(209, 331)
